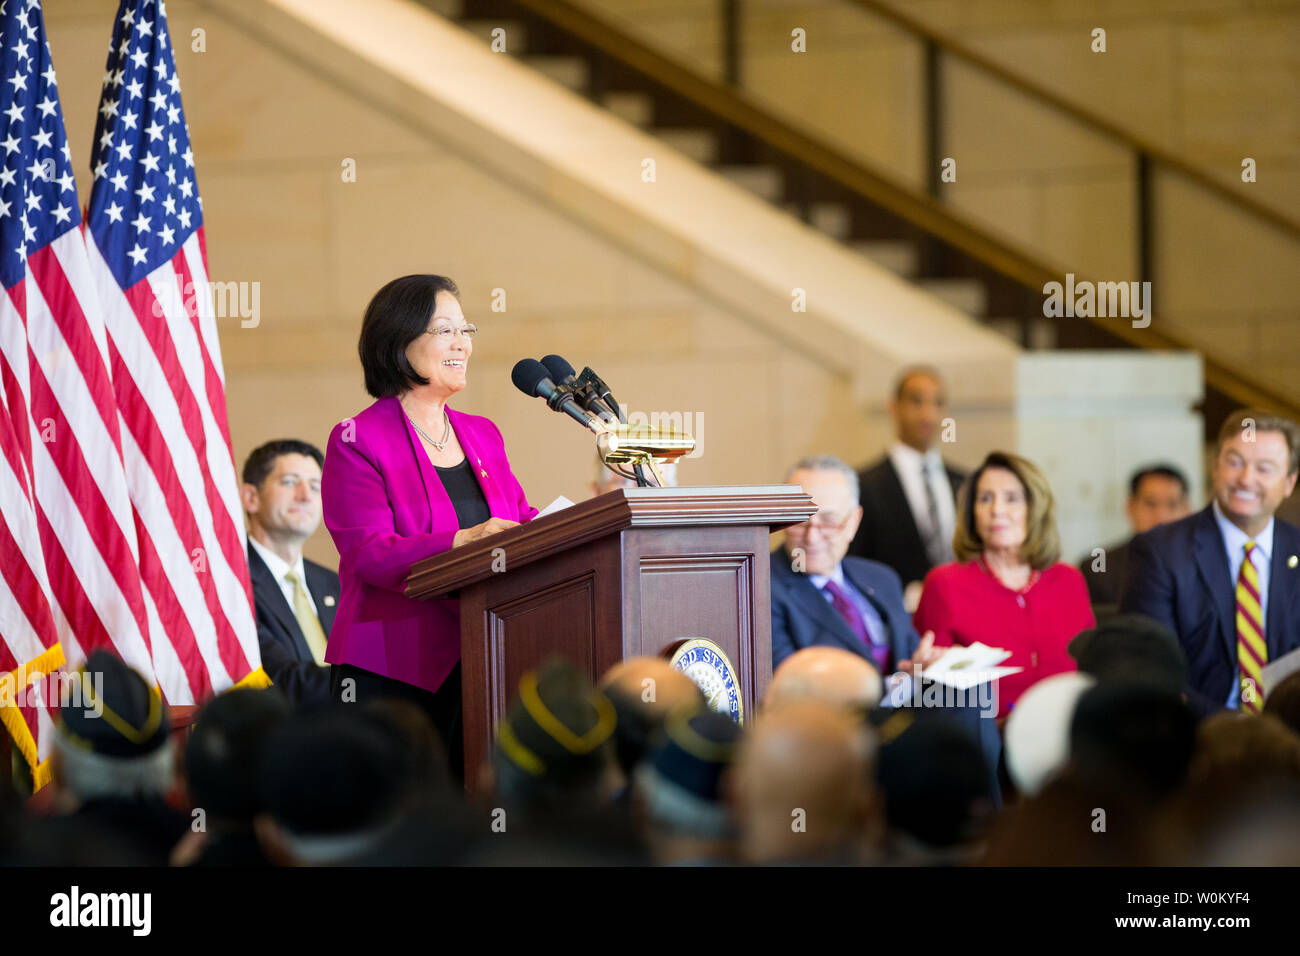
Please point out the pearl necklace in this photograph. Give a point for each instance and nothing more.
(446, 431)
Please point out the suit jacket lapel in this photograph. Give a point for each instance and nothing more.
(868, 591)
(1212, 564)
(903, 509)
(819, 610)
(267, 591)
(321, 587)
(1282, 583)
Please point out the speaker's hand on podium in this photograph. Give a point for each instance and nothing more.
(473, 533)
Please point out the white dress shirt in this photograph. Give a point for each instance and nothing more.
(907, 464)
(279, 569)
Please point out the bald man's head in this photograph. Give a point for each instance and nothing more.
(644, 691)
(805, 786)
(828, 674)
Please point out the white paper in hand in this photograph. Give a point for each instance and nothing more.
(559, 504)
(970, 666)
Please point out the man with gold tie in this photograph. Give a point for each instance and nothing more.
(294, 598)
(1225, 580)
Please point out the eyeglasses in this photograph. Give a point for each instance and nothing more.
(827, 524)
(445, 335)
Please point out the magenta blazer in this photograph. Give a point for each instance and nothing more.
(386, 509)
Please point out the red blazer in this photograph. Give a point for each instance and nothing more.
(386, 509)
(964, 603)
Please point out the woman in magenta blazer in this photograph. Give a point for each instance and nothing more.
(405, 479)
(1007, 589)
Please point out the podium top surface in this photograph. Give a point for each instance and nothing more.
(774, 506)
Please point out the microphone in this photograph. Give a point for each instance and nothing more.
(561, 371)
(587, 388)
(532, 378)
(596, 384)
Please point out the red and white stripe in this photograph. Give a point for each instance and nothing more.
(63, 467)
(166, 371)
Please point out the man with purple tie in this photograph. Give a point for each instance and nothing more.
(822, 597)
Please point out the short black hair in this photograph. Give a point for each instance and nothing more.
(261, 460)
(395, 317)
(1133, 735)
(222, 754)
(1164, 470)
(1131, 647)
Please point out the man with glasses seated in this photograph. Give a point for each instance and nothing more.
(822, 597)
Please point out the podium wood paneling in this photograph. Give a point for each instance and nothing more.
(627, 574)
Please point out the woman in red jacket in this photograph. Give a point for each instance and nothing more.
(1007, 589)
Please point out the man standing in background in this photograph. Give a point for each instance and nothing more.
(1157, 495)
(909, 495)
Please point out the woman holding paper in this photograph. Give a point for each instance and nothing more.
(1007, 589)
(405, 479)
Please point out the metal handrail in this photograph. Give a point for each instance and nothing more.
(930, 214)
(1095, 120)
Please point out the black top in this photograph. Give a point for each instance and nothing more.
(465, 494)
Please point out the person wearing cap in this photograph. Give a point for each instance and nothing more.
(554, 752)
(113, 764)
(682, 790)
(407, 479)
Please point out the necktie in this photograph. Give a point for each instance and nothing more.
(857, 624)
(935, 545)
(308, 622)
(1252, 651)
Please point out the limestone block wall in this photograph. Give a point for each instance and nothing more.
(1211, 81)
(681, 299)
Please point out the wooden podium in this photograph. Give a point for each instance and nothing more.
(623, 575)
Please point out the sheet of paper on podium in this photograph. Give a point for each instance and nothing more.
(559, 504)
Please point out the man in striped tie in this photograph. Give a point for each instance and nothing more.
(1225, 579)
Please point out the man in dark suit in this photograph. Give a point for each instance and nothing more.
(295, 598)
(1225, 579)
(1156, 495)
(820, 596)
(909, 495)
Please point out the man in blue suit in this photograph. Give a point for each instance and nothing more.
(1191, 575)
(820, 596)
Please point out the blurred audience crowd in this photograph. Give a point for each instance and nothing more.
(1150, 718)
(1104, 766)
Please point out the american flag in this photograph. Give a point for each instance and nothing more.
(70, 580)
(149, 268)
(120, 514)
